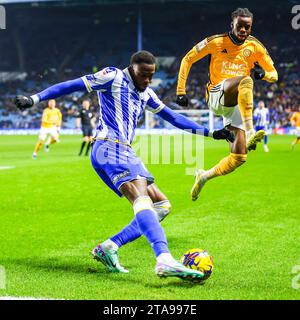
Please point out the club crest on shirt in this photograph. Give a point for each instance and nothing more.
(247, 53)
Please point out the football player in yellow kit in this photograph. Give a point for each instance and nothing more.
(295, 122)
(235, 60)
(51, 122)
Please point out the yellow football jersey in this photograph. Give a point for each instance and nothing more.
(295, 119)
(51, 117)
(226, 60)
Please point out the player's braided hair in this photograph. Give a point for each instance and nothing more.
(241, 12)
(142, 57)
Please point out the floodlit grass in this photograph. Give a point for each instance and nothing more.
(55, 210)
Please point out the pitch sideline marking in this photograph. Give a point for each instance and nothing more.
(6, 167)
(24, 298)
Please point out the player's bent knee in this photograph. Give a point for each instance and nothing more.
(162, 209)
(246, 82)
(142, 203)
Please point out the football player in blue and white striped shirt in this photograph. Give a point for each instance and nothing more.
(123, 96)
(261, 117)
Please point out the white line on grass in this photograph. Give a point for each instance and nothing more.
(6, 167)
(24, 298)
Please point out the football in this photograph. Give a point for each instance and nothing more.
(198, 259)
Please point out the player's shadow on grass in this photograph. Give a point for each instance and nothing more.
(174, 283)
(58, 265)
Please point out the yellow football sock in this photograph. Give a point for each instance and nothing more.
(295, 142)
(226, 165)
(52, 141)
(245, 101)
(38, 146)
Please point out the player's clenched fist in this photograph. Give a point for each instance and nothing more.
(23, 102)
(257, 72)
(182, 100)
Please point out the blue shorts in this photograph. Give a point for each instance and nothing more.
(117, 163)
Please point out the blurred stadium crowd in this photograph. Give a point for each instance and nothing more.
(41, 49)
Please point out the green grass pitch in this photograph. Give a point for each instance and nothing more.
(55, 210)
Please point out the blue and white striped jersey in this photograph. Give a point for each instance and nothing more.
(261, 117)
(121, 104)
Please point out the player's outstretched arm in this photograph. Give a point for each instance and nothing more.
(53, 92)
(195, 54)
(184, 123)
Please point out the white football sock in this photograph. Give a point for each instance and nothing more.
(208, 173)
(109, 245)
(165, 258)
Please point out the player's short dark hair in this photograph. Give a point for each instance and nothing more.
(142, 57)
(241, 12)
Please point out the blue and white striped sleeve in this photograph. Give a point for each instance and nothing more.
(101, 80)
(154, 104)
